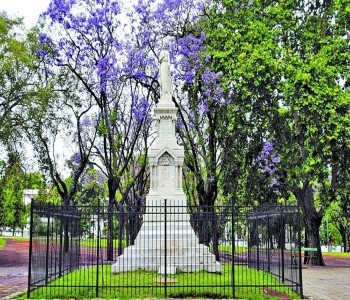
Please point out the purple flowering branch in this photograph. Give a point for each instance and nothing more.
(267, 161)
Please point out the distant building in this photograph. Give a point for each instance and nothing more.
(28, 195)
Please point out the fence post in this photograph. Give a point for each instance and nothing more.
(47, 249)
(283, 242)
(268, 250)
(257, 247)
(165, 250)
(299, 253)
(60, 257)
(98, 245)
(233, 242)
(30, 249)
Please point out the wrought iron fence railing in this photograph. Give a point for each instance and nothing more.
(71, 252)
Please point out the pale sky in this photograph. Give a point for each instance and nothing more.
(29, 9)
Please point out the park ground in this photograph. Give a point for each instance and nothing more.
(320, 283)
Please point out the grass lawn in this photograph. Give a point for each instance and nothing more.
(81, 284)
(15, 238)
(228, 249)
(2, 243)
(103, 243)
(337, 254)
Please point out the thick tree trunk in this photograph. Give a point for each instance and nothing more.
(344, 236)
(215, 235)
(110, 234)
(312, 220)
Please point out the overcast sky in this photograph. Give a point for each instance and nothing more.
(29, 9)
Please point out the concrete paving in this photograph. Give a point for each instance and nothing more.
(13, 280)
(326, 283)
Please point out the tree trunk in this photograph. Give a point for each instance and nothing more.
(344, 236)
(215, 234)
(312, 220)
(66, 226)
(110, 233)
(112, 189)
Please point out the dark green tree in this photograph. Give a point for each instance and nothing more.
(242, 39)
(285, 65)
(13, 210)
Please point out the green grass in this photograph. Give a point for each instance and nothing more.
(2, 243)
(228, 249)
(103, 243)
(337, 254)
(144, 284)
(15, 238)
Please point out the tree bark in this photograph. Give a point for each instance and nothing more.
(312, 220)
(344, 236)
(111, 199)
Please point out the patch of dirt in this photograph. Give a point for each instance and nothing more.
(274, 293)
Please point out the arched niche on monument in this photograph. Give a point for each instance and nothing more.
(166, 170)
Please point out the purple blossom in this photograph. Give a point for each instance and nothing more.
(76, 158)
(274, 183)
(203, 108)
(139, 108)
(40, 53)
(189, 77)
(275, 159)
(267, 162)
(85, 122)
(94, 177)
(44, 39)
(101, 179)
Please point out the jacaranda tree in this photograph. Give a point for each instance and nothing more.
(92, 41)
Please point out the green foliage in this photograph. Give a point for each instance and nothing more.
(34, 181)
(244, 45)
(39, 227)
(92, 189)
(17, 69)
(285, 68)
(13, 210)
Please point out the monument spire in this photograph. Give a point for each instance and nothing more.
(165, 80)
(164, 74)
(181, 250)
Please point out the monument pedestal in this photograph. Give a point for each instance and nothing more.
(166, 241)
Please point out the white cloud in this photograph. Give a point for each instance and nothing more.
(29, 9)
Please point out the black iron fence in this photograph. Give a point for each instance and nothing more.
(164, 251)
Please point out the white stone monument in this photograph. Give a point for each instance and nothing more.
(182, 251)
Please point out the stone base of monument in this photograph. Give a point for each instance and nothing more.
(166, 243)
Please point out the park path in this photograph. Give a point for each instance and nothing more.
(13, 267)
(320, 283)
(327, 283)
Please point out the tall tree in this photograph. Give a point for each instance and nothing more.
(14, 212)
(286, 64)
(242, 39)
(94, 48)
(19, 84)
(316, 49)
